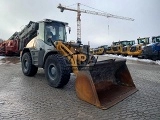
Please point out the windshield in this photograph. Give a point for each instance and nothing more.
(143, 40)
(156, 39)
(115, 43)
(131, 42)
(55, 31)
(124, 43)
(109, 48)
(105, 46)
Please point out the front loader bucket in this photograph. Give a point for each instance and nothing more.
(105, 83)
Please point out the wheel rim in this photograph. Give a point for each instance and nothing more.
(26, 64)
(52, 72)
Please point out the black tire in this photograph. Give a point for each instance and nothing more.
(154, 58)
(103, 53)
(27, 67)
(57, 71)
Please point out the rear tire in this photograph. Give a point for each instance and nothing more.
(57, 71)
(27, 67)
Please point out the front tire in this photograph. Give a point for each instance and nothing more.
(27, 67)
(57, 71)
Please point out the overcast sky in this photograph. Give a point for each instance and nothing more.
(15, 14)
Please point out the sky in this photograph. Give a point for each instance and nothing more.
(15, 14)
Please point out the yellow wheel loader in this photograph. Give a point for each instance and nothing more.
(136, 49)
(101, 83)
(102, 50)
(126, 47)
(116, 46)
(95, 51)
(109, 50)
(120, 47)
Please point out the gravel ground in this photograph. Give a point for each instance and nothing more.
(31, 98)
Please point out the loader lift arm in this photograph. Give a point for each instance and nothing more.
(71, 53)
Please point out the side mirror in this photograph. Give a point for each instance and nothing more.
(69, 29)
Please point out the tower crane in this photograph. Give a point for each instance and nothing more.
(79, 11)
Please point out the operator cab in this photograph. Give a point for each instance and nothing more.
(143, 41)
(51, 31)
(156, 39)
(124, 43)
(132, 42)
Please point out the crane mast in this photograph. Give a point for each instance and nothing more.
(79, 11)
(78, 24)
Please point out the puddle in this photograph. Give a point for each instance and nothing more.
(2, 103)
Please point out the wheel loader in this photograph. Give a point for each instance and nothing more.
(101, 83)
(116, 46)
(109, 50)
(152, 51)
(102, 50)
(136, 49)
(126, 47)
(119, 47)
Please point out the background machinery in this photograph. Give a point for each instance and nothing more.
(18, 40)
(116, 48)
(101, 50)
(2, 48)
(126, 47)
(136, 49)
(10, 46)
(120, 47)
(27, 33)
(95, 51)
(101, 83)
(152, 51)
(109, 50)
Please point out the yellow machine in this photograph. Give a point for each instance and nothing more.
(95, 51)
(126, 47)
(136, 49)
(101, 50)
(120, 47)
(101, 83)
(116, 48)
(109, 50)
